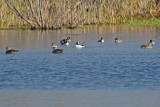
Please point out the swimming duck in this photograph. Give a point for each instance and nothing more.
(101, 40)
(80, 46)
(68, 39)
(146, 46)
(64, 42)
(151, 42)
(57, 51)
(10, 51)
(54, 46)
(117, 40)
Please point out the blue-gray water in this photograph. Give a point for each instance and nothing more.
(104, 74)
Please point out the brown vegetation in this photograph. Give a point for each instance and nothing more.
(55, 14)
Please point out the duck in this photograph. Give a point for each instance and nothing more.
(68, 39)
(146, 46)
(54, 46)
(101, 40)
(150, 44)
(64, 42)
(11, 51)
(80, 46)
(55, 50)
(117, 40)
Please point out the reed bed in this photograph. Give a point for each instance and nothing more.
(57, 14)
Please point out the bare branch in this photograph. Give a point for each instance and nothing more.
(13, 8)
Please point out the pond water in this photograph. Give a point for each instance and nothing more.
(99, 75)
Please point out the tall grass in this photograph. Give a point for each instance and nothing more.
(55, 14)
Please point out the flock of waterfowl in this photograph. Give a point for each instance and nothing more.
(77, 45)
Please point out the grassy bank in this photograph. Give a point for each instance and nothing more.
(135, 22)
(144, 22)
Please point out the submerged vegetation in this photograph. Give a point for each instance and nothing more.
(56, 14)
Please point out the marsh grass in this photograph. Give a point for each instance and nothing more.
(56, 14)
(144, 22)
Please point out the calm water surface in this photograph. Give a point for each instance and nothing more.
(99, 75)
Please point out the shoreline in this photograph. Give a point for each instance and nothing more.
(134, 22)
